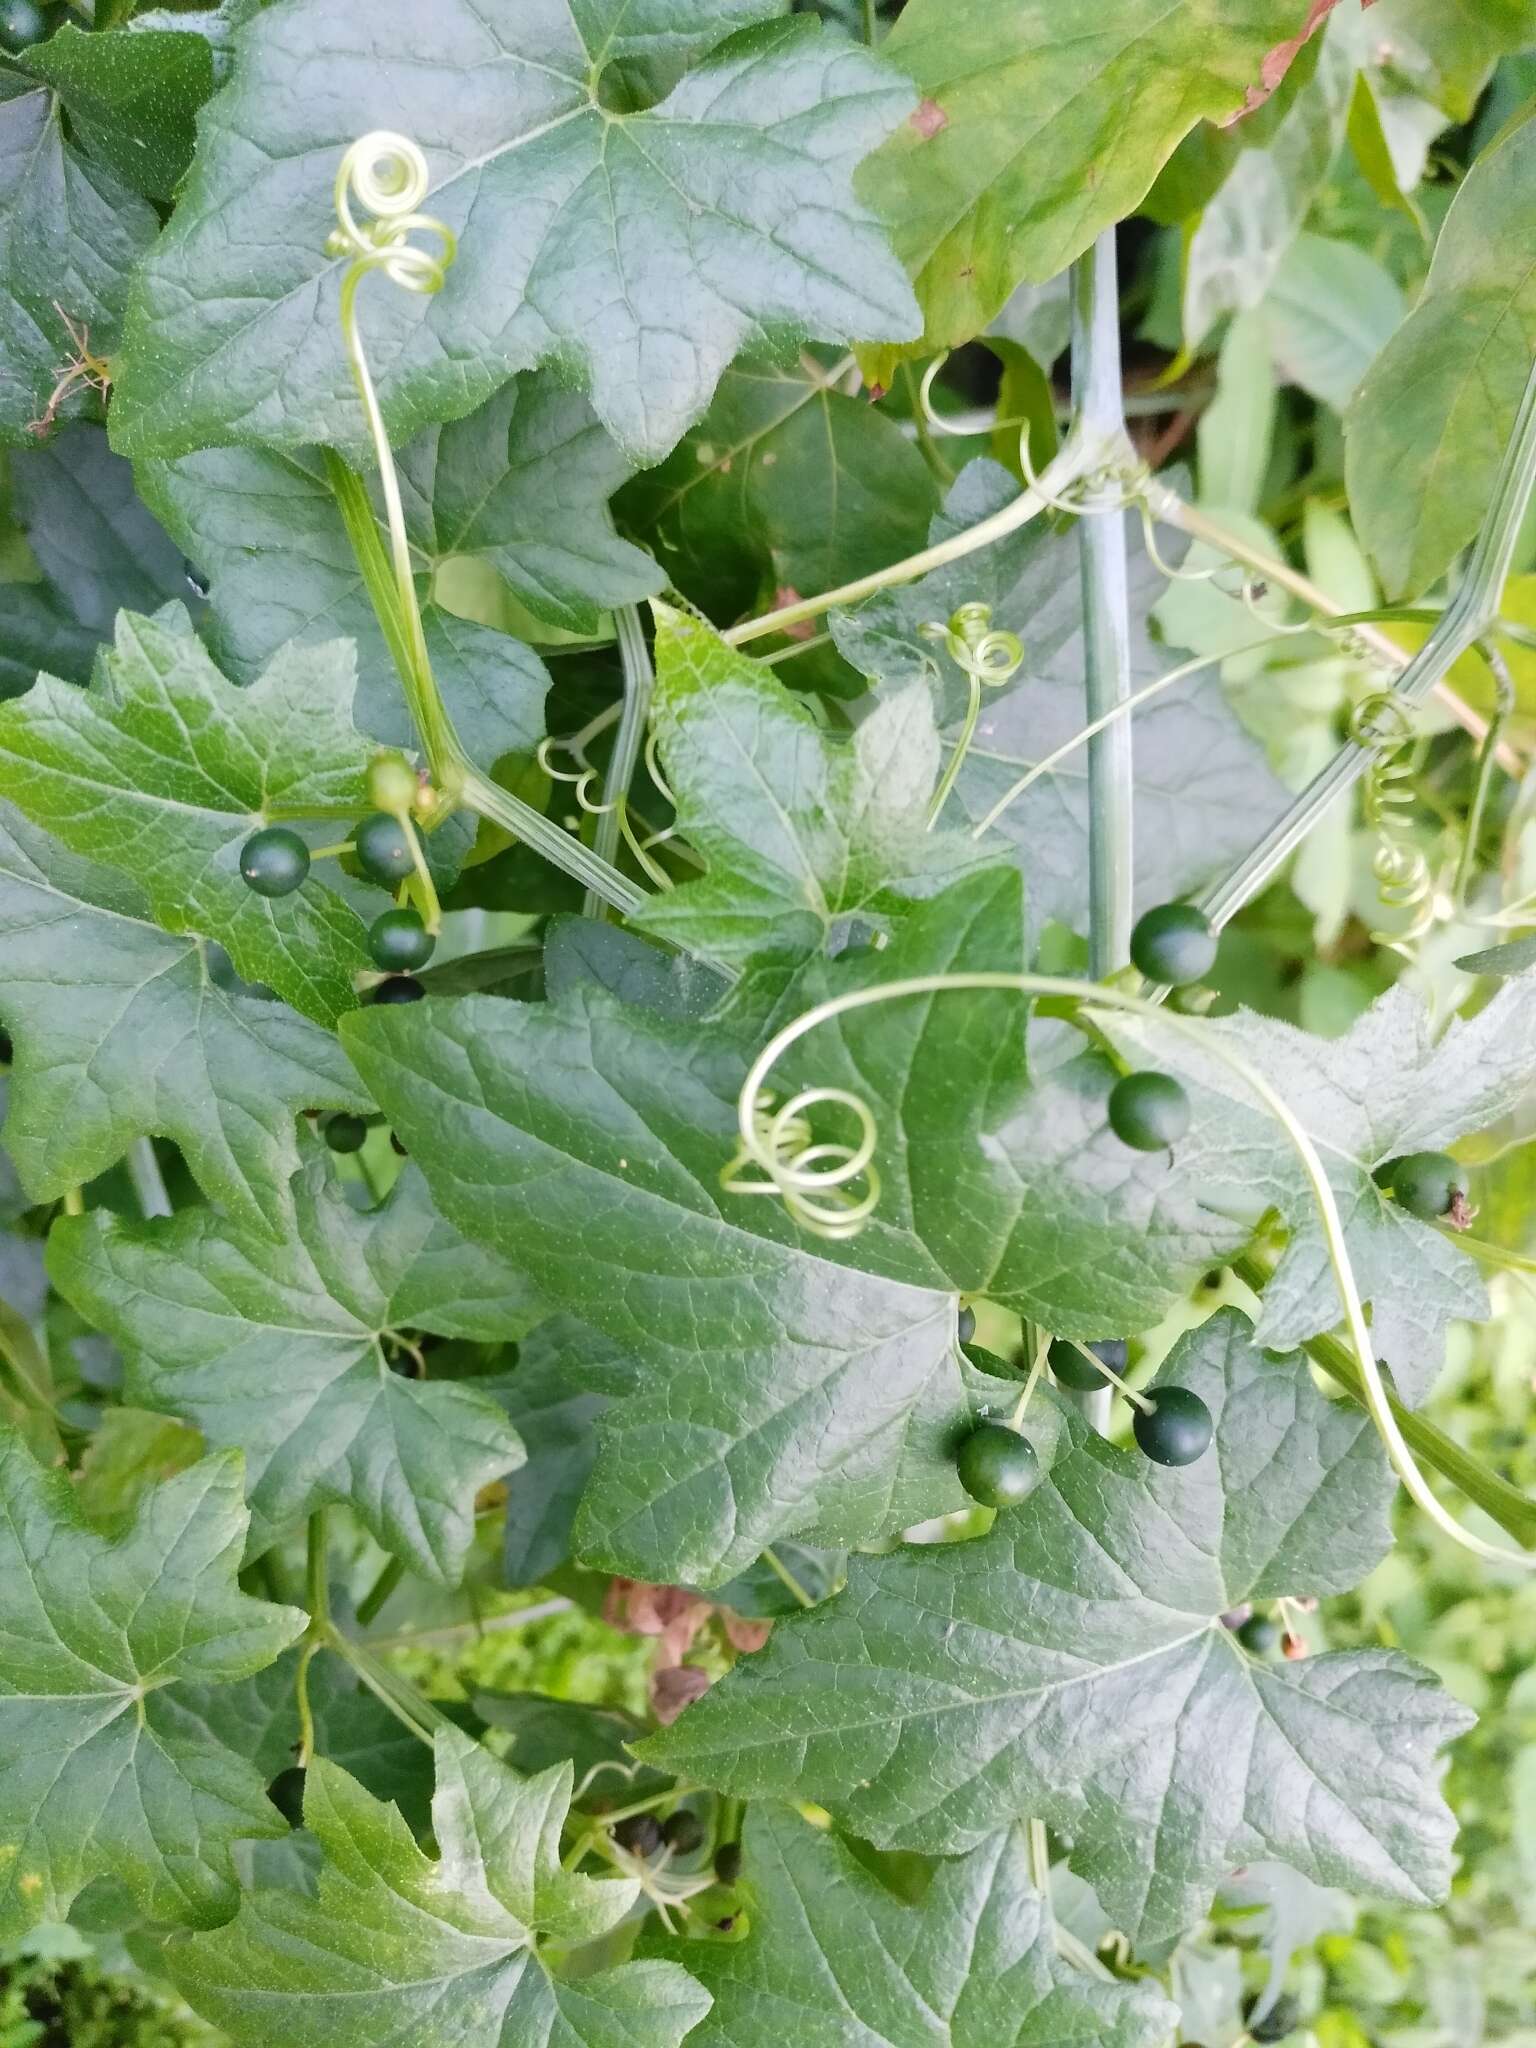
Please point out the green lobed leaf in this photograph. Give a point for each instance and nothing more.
(1040, 126)
(400, 1947)
(787, 485)
(102, 1771)
(567, 1374)
(38, 632)
(520, 487)
(798, 827)
(1202, 784)
(1420, 474)
(163, 769)
(132, 100)
(1071, 1665)
(96, 996)
(1386, 1087)
(279, 1348)
(70, 234)
(93, 537)
(834, 1960)
(639, 251)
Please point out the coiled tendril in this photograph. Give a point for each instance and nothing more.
(818, 1180)
(1383, 725)
(988, 657)
(387, 175)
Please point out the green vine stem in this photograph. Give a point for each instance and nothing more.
(149, 1187)
(815, 1180)
(1096, 389)
(634, 719)
(387, 175)
(1472, 611)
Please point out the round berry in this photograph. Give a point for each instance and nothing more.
(997, 1466)
(400, 988)
(640, 1834)
(1072, 1370)
(1148, 1111)
(392, 784)
(383, 851)
(728, 1862)
(1174, 945)
(683, 1832)
(967, 1325)
(22, 23)
(1282, 2019)
(1261, 1634)
(1426, 1184)
(399, 941)
(1177, 1430)
(274, 861)
(344, 1132)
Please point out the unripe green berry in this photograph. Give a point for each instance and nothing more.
(1178, 1428)
(399, 941)
(1071, 1369)
(274, 861)
(1174, 945)
(997, 1466)
(1427, 1184)
(1148, 1111)
(383, 850)
(22, 23)
(392, 783)
(344, 1132)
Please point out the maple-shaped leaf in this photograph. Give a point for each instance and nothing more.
(1387, 1087)
(1203, 787)
(784, 1389)
(519, 490)
(94, 993)
(101, 1772)
(396, 1946)
(797, 826)
(281, 1349)
(638, 250)
(1072, 1665)
(1038, 128)
(132, 100)
(70, 234)
(973, 1965)
(164, 769)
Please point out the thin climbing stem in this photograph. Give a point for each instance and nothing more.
(634, 719)
(786, 1577)
(1472, 612)
(373, 1600)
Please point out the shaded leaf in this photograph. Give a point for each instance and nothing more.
(638, 251)
(93, 537)
(103, 1775)
(132, 100)
(399, 1946)
(1071, 1665)
(280, 1348)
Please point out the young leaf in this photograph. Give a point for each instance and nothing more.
(798, 827)
(1071, 1665)
(94, 993)
(783, 1391)
(280, 1348)
(1202, 783)
(101, 1775)
(1387, 1087)
(132, 100)
(787, 485)
(1040, 127)
(70, 235)
(520, 487)
(399, 1947)
(834, 1958)
(164, 769)
(640, 251)
(1420, 473)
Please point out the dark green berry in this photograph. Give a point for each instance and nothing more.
(1072, 1370)
(274, 861)
(640, 1834)
(1174, 945)
(400, 988)
(1148, 1111)
(399, 941)
(344, 1132)
(683, 1832)
(1283, 2018)
(22, 23)
(383, 850)
(997, 1466)
(1261, 1634)
(728, 1862)
(1427, 1184)
(966, 1325)
(1177, 1430)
